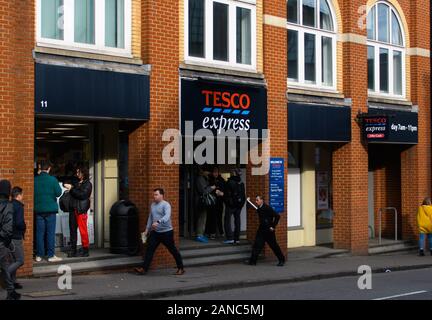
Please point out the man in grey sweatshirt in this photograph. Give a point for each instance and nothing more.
(159, 230)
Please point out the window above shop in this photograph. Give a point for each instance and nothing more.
(95, 26)
(311, 31)
(386, 52)
(221, 33)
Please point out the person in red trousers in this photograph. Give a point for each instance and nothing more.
(80, 199)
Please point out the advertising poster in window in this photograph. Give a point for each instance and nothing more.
(322, 191)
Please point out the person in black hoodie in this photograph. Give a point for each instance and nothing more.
(80, 196)
(268, 220)
(19, 228)
(235, 198)
(6, 232)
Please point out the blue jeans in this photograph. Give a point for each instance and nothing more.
(422, 240)
(45, 226)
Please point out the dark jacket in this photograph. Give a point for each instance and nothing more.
(202, 187)
(19, 225)
(268, 218)
(234, 195)
(6, 221)
(46, 192)
(81, 193)
(219, 182)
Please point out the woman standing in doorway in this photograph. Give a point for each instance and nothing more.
(80, 199)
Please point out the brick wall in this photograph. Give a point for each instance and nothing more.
(415, 161)
(275, 71)
(16, 105)
(350, 162)
(136, 28)
(146, 168)
(404, 185)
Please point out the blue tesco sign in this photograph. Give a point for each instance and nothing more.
(277, 184)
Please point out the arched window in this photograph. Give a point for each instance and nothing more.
(311, 43)
(386, 51)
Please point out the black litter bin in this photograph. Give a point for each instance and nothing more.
(124, 228)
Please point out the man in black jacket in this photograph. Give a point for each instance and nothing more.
(235, 198)
(6, 231)
(268, 220)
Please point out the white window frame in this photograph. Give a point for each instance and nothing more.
(319, 33)
(99, 47)
(377, 45)
(232, 31)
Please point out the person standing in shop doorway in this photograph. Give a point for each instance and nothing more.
(19, 229)
(214, 214)
(204, 200)
(268, 220)
(159, 230)
(235, 199)
(46, 192)
(80, 198)
(424, 223)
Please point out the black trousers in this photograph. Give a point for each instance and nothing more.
(263, 236)
(5, 262)
(73, 227)
(236, 212)
(214, 219)
(167, 239)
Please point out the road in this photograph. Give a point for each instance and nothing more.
(401, 285)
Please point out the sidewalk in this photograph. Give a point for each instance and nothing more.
(162, 283)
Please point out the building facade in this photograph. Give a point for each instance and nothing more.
(342, 86)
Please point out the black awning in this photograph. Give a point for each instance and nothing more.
(319, 123)
(79, 92)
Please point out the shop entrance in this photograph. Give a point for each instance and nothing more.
(67, 145)
(188, 198)
(385, 188)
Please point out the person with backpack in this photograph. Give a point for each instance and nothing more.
(235, 198)
(204, 200)
(6, 233)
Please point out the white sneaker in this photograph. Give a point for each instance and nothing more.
(54, 259)
(38, 259)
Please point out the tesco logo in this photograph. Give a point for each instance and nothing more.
(226, 99)
(375, 120)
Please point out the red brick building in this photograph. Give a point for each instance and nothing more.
(101, 81)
